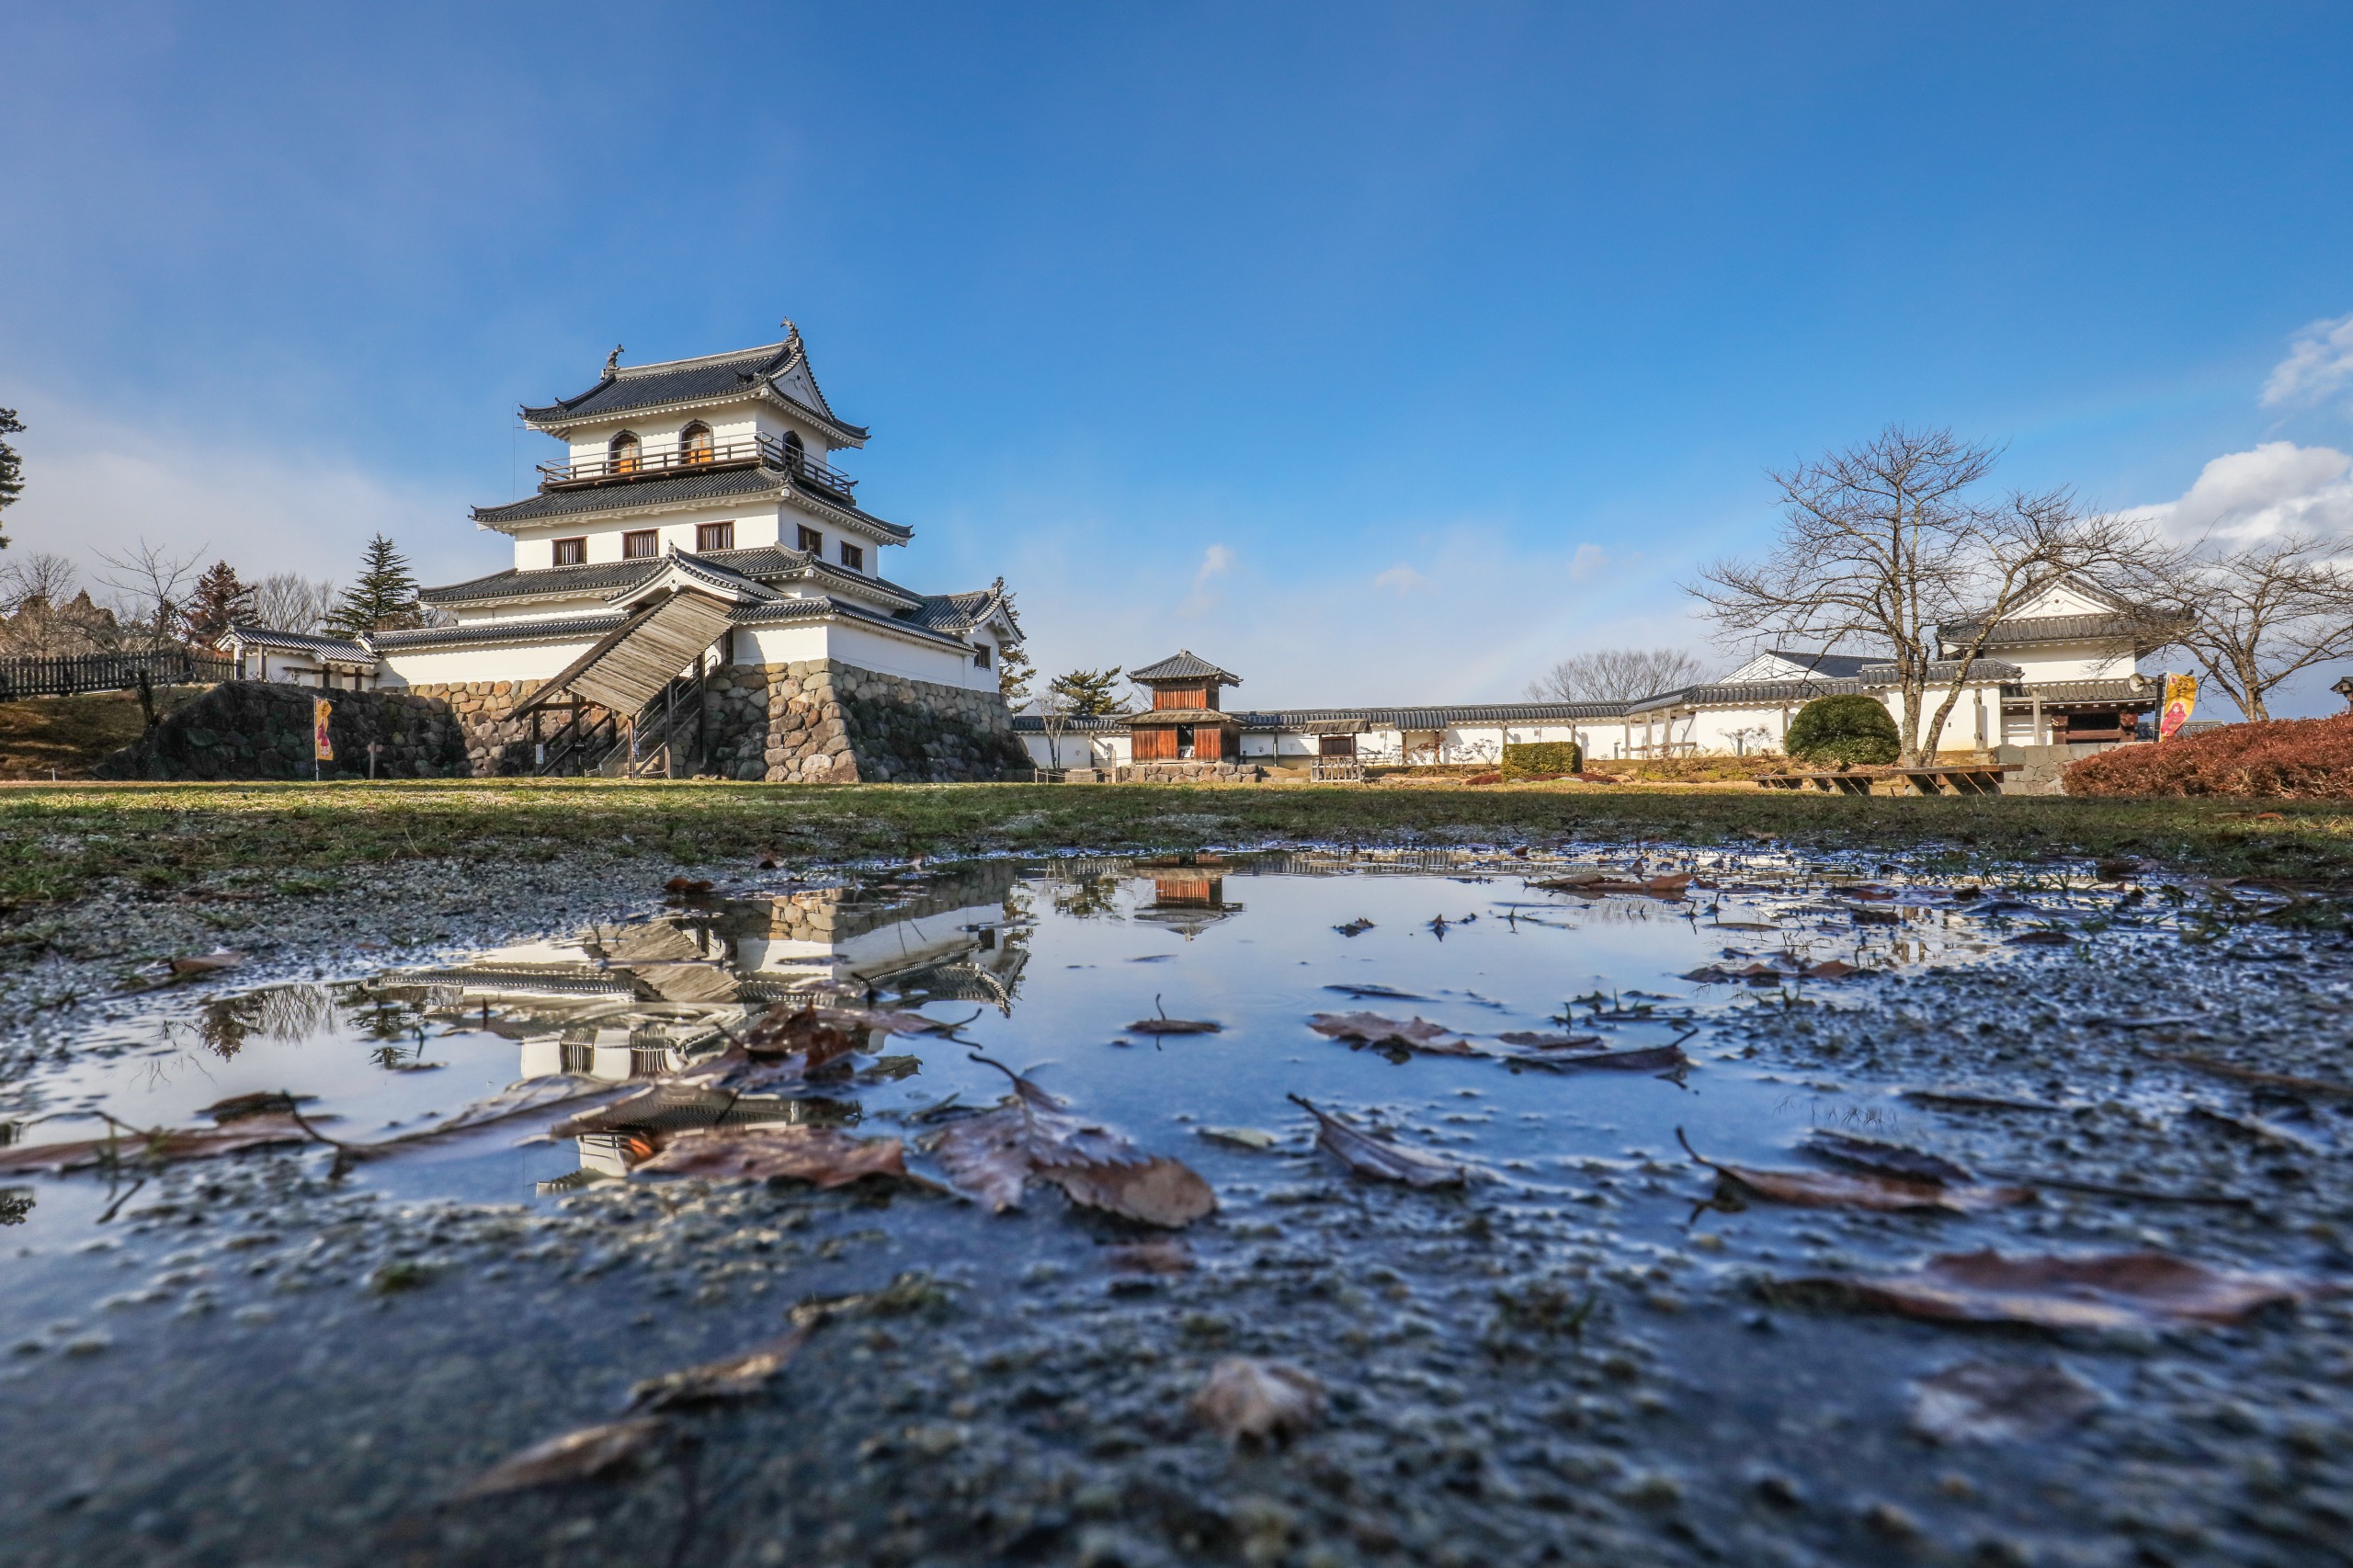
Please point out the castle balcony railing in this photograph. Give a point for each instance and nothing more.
(628, 468)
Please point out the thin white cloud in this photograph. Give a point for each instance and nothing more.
(2279, 487)
(1403, 579)
(93, 485)
(1587, 562)
(2319, 362)
(1216, 562)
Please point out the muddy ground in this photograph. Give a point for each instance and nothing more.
(1597, 1354)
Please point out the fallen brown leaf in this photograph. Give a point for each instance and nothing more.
(1254, 1400)
(1540, 1041)
(715, 1383)
(1882, 1158)
(1368, 1155)
(824, 1156)
(1838, 1189)
(585, 1455)
(2105, 1290)
(159, 1146)
(786, 1029)
(1835, 969)
(1645, 1059)
(1994, 1401)
(1419, 1034)
(1160, 1191)
(2221, 1068)
(992, 1156)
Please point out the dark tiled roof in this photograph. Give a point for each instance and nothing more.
(1742, 693)
(599, 577)
(549, 629)
(1184, 665)
(2140, 627)
(959, 612)
(766, 562)
(1035, 724)
(1835, 666)
(1435, 718)
(337, 648)
(834, 609)
(676, 380)
(723, 485)
(2085, 691)
(1945, 669)
(638, 388)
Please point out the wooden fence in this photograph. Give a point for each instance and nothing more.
(74, 673)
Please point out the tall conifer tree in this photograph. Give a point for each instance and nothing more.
(382, 599)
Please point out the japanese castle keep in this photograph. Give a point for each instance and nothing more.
(695, 589)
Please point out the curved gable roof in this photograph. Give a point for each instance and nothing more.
(774, 369)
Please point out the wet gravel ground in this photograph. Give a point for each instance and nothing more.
(1573, 1361)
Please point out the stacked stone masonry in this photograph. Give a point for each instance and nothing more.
(812, 722)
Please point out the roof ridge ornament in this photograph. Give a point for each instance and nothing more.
(613, 361)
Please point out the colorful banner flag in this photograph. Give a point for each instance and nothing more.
(2181, 700)
(323, 744)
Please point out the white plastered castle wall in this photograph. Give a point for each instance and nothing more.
(524, 661)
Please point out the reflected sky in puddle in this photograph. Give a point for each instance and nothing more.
(1047, 968)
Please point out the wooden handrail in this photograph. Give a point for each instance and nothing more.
(610, 470)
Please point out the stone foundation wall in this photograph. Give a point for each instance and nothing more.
(823, 722)
(251, 729)
(815, 721)
(496, 744)
(1170, 773)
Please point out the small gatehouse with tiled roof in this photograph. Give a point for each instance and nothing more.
(696, 589)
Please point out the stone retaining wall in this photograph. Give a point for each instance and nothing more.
(823, 722)
(252, 729)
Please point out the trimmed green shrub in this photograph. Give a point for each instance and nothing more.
(1547, 757)
(1847, 731)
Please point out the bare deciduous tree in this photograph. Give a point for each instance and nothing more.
(285, 601)
(1883, 543)
(154, 584)
(50, 578)
(2254, 615)
(1616, 674)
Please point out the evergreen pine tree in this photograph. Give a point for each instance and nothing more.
(12, 467)
(219, 602)
(1013, 674)
(382, 599)
(1091, 694)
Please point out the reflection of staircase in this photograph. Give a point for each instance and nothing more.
(634, 670)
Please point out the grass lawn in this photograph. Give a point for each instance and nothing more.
(65, 843)
(74, 734)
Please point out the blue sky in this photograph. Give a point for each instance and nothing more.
(1378, 352)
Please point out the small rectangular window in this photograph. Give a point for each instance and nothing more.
(571, 552)
(642, 545)
(715, 536)
(853, 557)
(979, 655)
(813, 541)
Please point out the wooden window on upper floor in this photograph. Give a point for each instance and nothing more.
(979, 655)
(714, 535)
(853, 557)
(795, 453)
(571, 552)
(694, 443)
(624, 449)
(642, 545)
(811, 540)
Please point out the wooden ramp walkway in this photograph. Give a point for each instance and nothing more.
(630, 665)
(1953, 779)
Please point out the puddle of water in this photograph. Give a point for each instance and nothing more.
(1046, 967)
